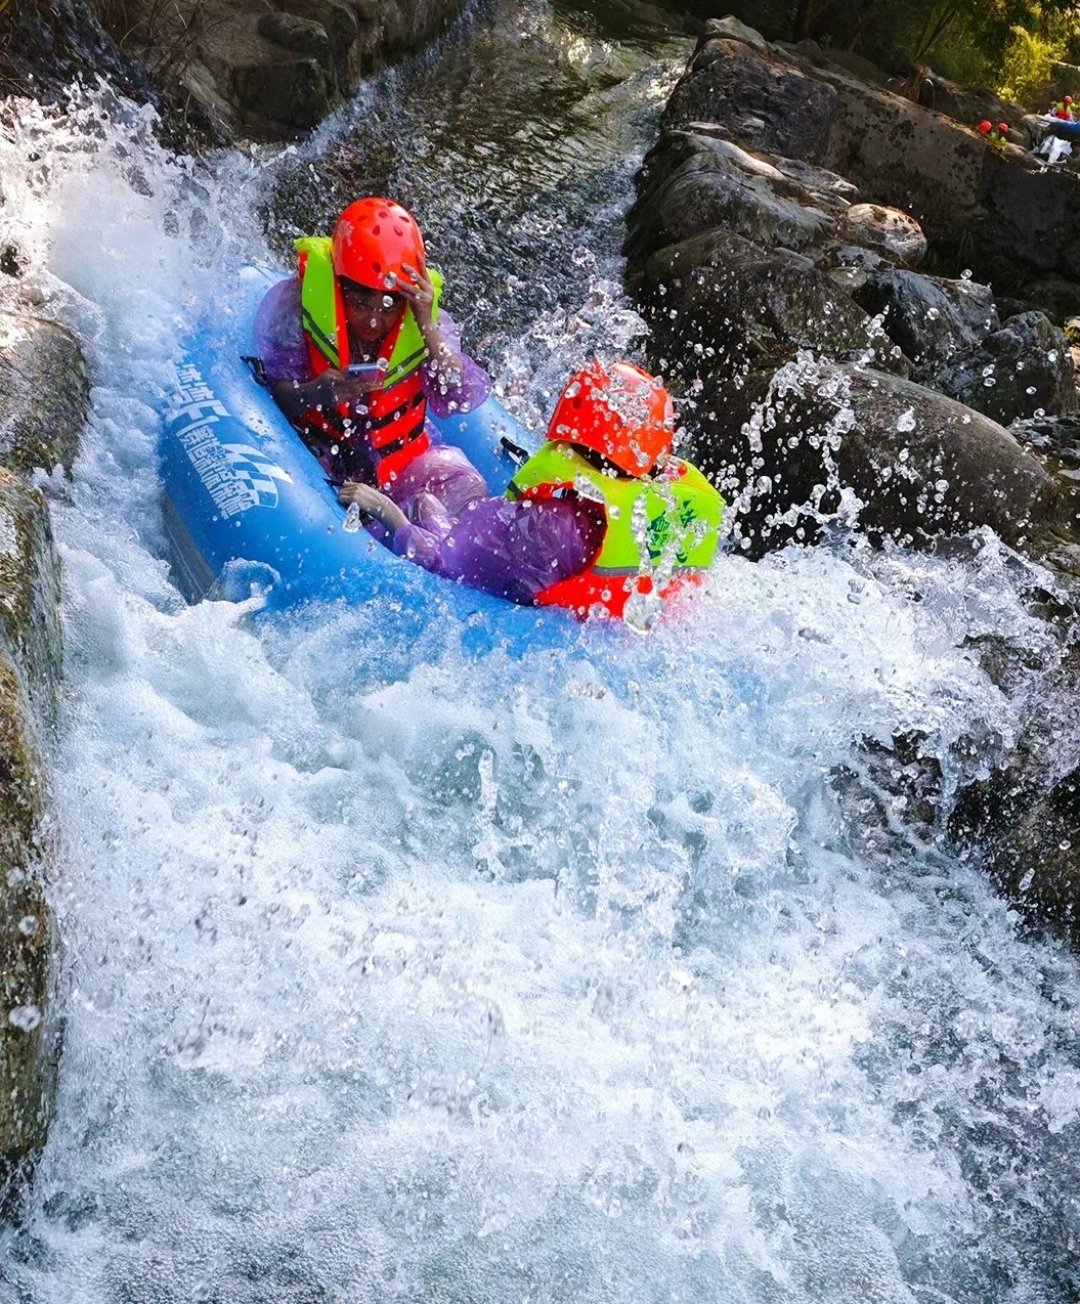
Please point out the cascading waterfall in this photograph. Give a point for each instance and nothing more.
(395, 974)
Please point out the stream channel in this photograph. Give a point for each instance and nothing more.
(394, 973)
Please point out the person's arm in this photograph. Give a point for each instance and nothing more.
(372, 503)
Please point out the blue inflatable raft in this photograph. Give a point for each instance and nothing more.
(246, 505)
(1065, 128)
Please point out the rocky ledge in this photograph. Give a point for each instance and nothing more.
(778, 247)
(44, 389)
(216, 69)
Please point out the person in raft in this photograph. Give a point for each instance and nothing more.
(354, 349)
(600, 513)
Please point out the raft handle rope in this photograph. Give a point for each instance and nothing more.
(518, 455)
(258, 369)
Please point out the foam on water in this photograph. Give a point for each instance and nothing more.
(394, 974)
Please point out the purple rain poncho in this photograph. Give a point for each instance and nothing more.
(513, 550)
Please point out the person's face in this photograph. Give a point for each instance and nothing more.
(370, 314)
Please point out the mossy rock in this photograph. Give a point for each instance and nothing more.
(27, 1038)
(44, 393)
(44, 388)
(30, 591)
(720, 296)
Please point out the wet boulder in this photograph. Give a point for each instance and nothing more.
(730, 28)
(1028, 837)
(932, 319)
(1022, 368)
(693, 182)
(793, 445)
(43, 398)
(44, 389)
(720, 305)
(273, 69)
(765, 103)
(1022, 821)
(888, 231)
(30, 654)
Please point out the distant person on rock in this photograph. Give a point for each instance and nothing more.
(600, 514)
(354, 348)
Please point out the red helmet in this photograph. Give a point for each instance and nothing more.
(373, 239)
(620, 411)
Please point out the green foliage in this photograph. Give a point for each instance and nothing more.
(1027, 66)
(1004, 43)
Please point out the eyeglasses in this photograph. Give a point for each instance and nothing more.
(369, 300)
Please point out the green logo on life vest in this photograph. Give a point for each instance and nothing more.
(658, 533)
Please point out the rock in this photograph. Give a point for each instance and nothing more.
(719, 305)
(1023, 368)
(1056, 439)
(28, 1036)
(692, 183)
(932, 320)
(300, 35)
(964, 193)
(30, 654)
(342, 30)
(888, 231)
(974, 104)
(1023, 821)
(1057, 297)
(43, 396)
(44, 391)
(786, 446)
(850, 62)
(731, 29)
(764, 105)
(273, 68)
(818, 181)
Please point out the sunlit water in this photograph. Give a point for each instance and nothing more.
(393, 974)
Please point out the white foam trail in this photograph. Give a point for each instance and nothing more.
(392, 974)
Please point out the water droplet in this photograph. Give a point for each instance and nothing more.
(25, 1017)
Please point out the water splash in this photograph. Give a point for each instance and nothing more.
(392, 973)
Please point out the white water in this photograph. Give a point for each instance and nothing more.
(392, 974)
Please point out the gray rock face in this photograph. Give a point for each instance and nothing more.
(29, 669)
(43, 395)
(921, 464)
(932, 320)
(272, 68)
(892, 233)
(950, 331)
(719, 305)
(1023, 368)
(768, 105)
(700, 183)
(44, 387)
(730, 28)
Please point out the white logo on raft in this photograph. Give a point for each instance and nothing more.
(237, 476)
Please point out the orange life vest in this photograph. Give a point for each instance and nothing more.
(387, 427)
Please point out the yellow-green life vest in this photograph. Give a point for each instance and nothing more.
(324, 323)
(664, 525)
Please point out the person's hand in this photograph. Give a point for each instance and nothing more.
(372, 503)
(341, 387)
(419, 292)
